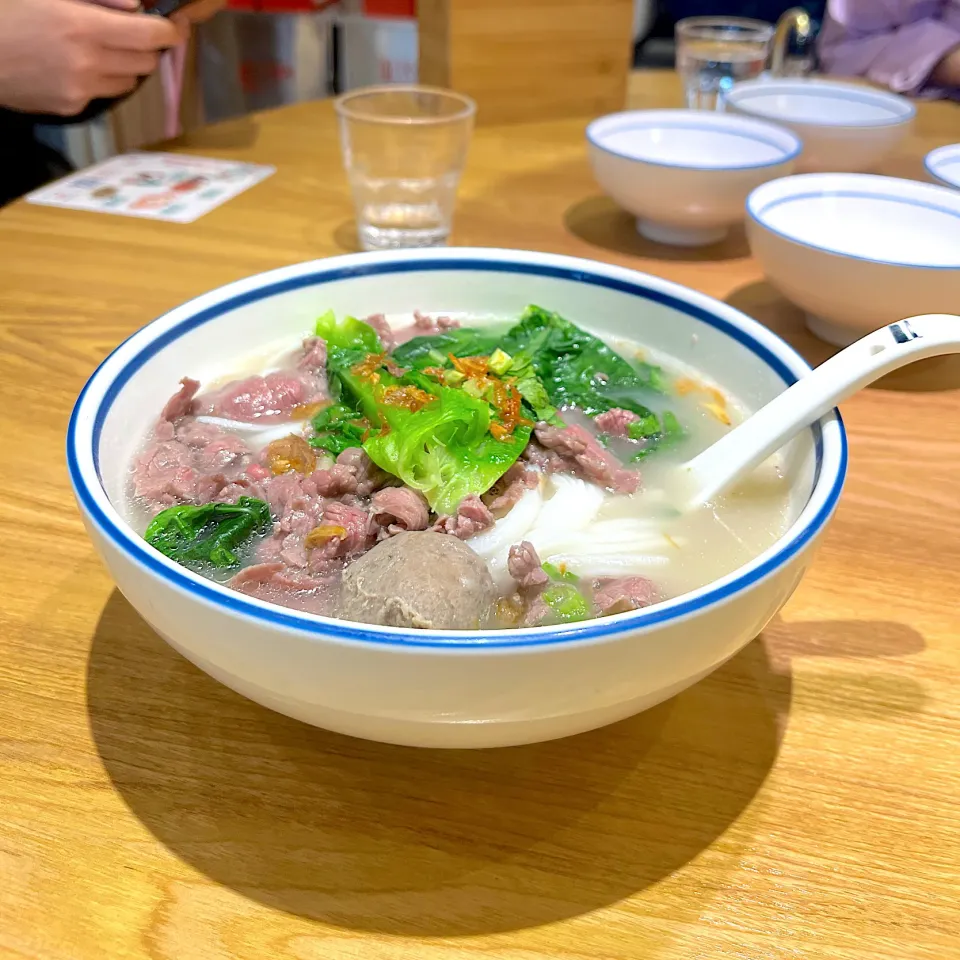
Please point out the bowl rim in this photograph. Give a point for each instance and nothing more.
(105, 384)
(865, 179)
(932, 157)
(702, 120)
(822, 88)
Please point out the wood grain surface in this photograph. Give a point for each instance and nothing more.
(529, 59)
(803, 803)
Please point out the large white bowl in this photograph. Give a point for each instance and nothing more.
(845, 127)
(943, 165)
(858, 251)
(430, 688)
(686, 174)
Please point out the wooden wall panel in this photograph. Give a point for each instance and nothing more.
(529, 59)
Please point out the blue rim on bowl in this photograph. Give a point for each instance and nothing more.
(823, 89)
(757, 209)
(90, 412)
(952, 154)
(747, 128)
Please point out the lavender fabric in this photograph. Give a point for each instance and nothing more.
(897, 43)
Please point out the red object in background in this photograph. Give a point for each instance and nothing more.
(279, 6)
(257, 74)
(390, 8)
(371, 8)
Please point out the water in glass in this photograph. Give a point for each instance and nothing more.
(713, 53)
(404, 149)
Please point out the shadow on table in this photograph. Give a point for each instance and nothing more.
(601, 223)
(345, 236)
(432, 843)
(762, 302)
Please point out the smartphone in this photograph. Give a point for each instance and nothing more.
(163, 8)
(156, 8)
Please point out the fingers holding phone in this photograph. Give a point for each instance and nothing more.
(58, 55)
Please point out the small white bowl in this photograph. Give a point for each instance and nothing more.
(858, 251)
(686, 174)
(429, 687)
(943, 165)
(845, 127)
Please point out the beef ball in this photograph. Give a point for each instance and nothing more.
(425, 580)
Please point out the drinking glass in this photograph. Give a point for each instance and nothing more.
(714, 53)
(404, 148)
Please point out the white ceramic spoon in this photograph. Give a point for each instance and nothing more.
(730, 459)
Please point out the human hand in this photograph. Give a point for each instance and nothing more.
(947, 72)
(58, 55)
(198, 11)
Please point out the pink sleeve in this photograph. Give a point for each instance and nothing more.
(172, 65)
(897, 43)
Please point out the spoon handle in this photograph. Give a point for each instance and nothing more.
(748, 445)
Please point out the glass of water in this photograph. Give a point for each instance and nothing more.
(404, 148)
(714, 53)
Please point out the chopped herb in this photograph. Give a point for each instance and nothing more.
(555, 573)
(670, 434)
(337, 428)
(500, 362)
(646, 426)
(567, 602)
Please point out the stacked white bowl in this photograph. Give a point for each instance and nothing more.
(845, 127)
(858, 251)
(686, 174)
(943, 165)
(855, 251)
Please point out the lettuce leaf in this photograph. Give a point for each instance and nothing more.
(442, 447)
(445, 449)
(434, 350)
(578, 369)
(347, 334)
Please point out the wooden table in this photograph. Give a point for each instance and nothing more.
(801, 803)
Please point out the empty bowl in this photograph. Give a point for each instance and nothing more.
(686, 174)
(858, 251)
(943, 165)
(845, 127)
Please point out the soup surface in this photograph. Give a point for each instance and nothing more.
(449, 476)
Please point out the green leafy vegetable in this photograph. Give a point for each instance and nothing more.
(338, 427)
(646, 426)
(436, 439)
(434, 350)
(445, 449)
(348, 334)
(567, 602)
(500, 362)
(653, 376)
(555, 573)
(670, 434)
(578, 369)
(532, 390)
(207, 534)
